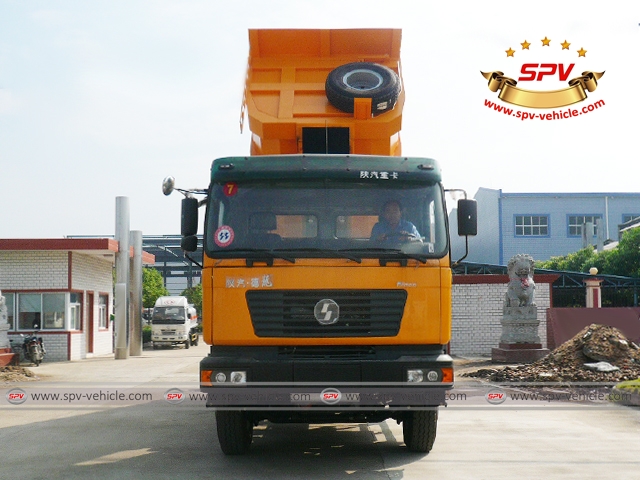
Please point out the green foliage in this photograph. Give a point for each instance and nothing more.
(152, 287)
(146, 333)
(580, 261)
(194, 296)
(624, 260)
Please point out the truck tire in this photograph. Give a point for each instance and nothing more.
(187, 343)
(419, 430)
(363, 80)
(235, 431)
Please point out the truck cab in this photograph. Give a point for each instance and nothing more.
(174, 322)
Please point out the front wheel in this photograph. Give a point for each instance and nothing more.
(419, 430)
(36, 355)
(235, 431)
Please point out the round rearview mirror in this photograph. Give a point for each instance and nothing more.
(167, 185)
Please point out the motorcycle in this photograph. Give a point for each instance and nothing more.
(33, 348)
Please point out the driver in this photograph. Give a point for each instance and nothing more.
(392, 227)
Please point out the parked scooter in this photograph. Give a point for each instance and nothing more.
(33, 348)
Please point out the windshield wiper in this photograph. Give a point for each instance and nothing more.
(393, 251)
(333, 253)
(262, 251)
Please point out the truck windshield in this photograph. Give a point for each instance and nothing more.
(326, 219)
(167, 315)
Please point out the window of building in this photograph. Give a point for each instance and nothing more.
(75, 309)
(532, 225)
(8, 301)
(575, 223)
(103, 301)
(53, 310)
(627, 217)
(29, 311)
(48, 311)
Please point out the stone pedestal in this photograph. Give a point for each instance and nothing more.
(519, 342)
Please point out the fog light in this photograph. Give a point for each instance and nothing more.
(432, 376)
(238, 377)
(221, 377)
(415, 376)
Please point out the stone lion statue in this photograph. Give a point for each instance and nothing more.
(521, 285)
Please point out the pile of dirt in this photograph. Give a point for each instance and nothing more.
(617, 356)
(11, 374)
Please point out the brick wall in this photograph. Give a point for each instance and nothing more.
(34, 270)
(56, 345)
(91, 273)
(477, 311)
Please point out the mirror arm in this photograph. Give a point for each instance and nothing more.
(466, 252)
(192, 260)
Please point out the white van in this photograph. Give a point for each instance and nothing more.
(174, 321)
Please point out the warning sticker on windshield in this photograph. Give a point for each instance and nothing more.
(223, 236)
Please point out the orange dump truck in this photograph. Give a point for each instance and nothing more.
(326, 276)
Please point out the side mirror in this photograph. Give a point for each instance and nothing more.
(189, 217)
(467, 217)
(168, 184)
(189, 243)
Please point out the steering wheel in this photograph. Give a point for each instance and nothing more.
(401, 237)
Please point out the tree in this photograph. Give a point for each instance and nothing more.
(624, 260)
(152, 287)
(194, 296)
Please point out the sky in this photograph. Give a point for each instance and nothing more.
(104, 99)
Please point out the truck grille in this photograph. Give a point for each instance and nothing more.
(290, 313)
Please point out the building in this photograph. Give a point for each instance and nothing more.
(543, 225)
(65, 288)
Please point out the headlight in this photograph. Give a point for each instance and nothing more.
(415, 376)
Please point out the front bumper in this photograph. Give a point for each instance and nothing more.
(327, 377)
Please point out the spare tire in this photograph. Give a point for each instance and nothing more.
(363, 80)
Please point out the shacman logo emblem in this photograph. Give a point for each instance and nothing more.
(326, 312)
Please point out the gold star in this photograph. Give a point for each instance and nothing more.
(545, 42)
(525, 45)
(565, 45)
(510, 52)
(582, 52)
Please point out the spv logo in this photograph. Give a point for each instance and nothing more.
(331, 396)
(496, 396)
(544, 67)
(537, 71)
(16, 396)
(174, 396)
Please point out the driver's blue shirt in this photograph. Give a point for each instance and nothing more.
(383, 228)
